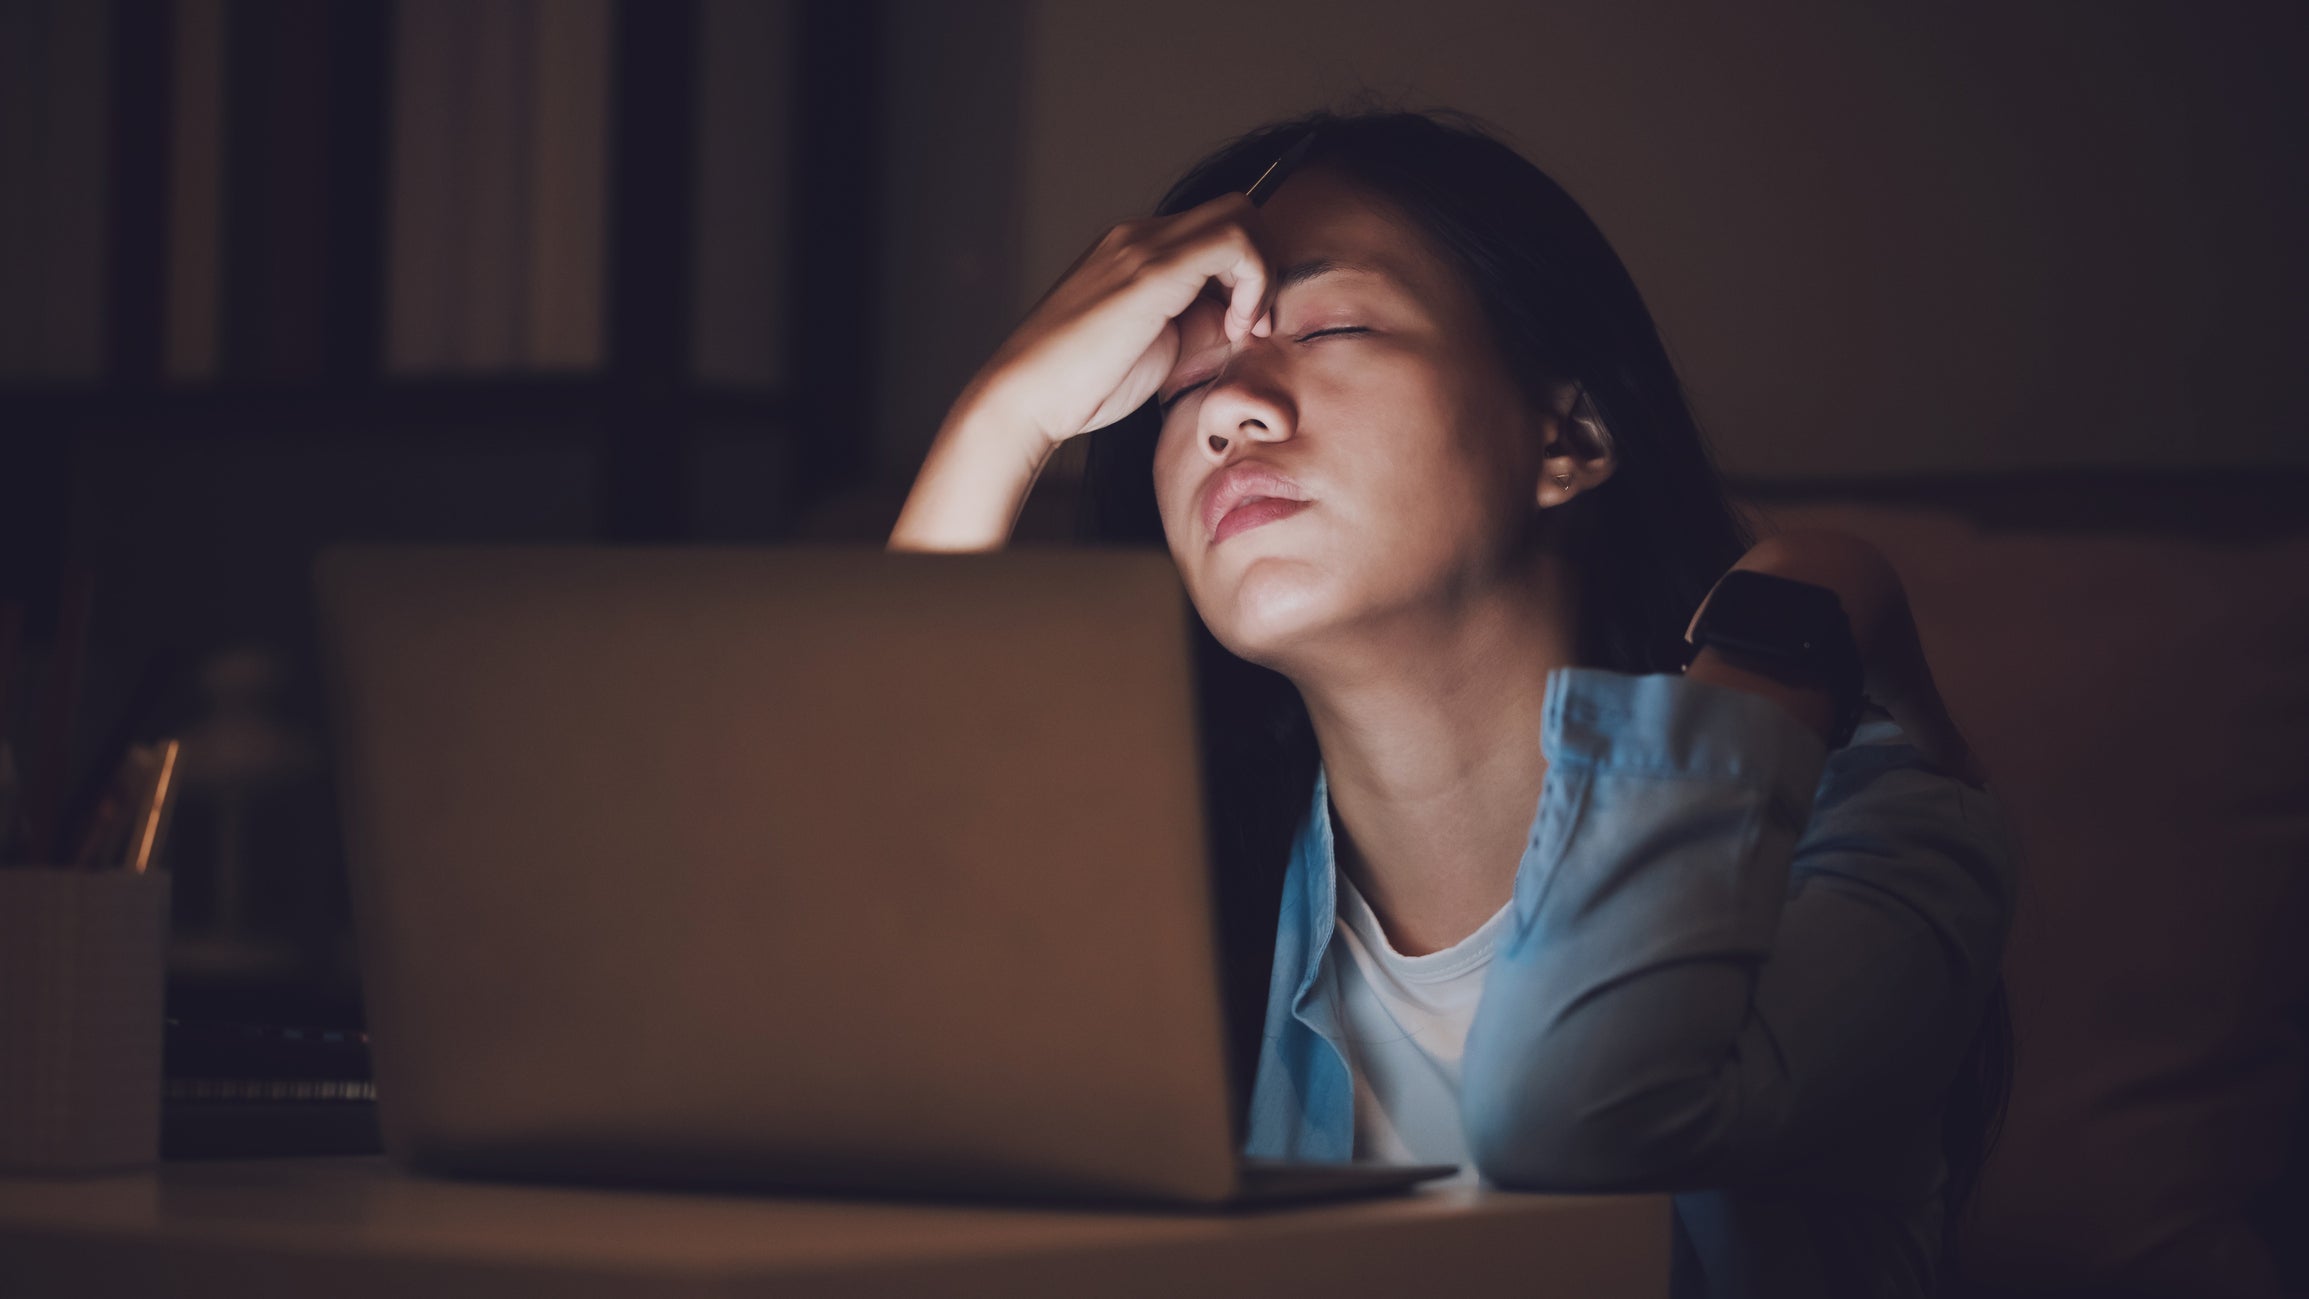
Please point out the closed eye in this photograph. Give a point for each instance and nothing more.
(1166, 403)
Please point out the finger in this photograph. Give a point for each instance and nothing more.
(1247, 302)
(1227, 221)
(1228, 258)
(1263, 324)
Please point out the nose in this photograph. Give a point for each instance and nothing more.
(1244, 404)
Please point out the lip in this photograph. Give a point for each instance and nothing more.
(1247, 483)
(1255, 511)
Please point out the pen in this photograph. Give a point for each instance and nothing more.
(154, 687)
(103, 835)
(155, 828)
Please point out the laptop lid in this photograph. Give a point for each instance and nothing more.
(815, 867)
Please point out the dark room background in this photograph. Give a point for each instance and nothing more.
(277, 273)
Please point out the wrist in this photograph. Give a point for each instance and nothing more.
(966, 497)
(989, 415)
(1809, 703)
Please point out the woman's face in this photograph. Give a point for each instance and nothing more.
(1379, 402)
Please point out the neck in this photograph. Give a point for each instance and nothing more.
(1429, 729)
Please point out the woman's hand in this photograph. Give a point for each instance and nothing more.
(1896, 675)
(1103, 338)
(1096, 346)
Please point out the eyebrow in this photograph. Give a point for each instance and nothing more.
(1300, 273)
(1304, 271)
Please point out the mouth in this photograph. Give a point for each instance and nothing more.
(1247, 495)
(1254, 511)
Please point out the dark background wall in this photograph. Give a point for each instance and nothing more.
(1879, 238)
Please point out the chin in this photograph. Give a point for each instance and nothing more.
(1274, 605)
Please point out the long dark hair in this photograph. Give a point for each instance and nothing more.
(1648, 542)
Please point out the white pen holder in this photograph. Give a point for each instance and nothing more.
(82, 959)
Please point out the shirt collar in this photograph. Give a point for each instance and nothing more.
(1315, 864)
(1314, 858)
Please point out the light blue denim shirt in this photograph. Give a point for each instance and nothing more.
(1739, 967)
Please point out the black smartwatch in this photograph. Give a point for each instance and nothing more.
(1790, 631)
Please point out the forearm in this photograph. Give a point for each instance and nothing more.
(972, 485)
(1669, 817)
(1711, 976)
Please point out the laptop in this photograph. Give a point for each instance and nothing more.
(823, 869)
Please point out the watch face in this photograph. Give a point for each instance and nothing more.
(1790, 630)
(1767, 614)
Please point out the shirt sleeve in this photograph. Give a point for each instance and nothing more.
(1728, 953)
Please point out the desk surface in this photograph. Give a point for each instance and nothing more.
(356, 1227)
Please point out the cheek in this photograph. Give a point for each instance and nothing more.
(1433, 486)
(1173, 473)
(1414, 448)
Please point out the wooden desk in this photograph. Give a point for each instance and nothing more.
(355, 1227)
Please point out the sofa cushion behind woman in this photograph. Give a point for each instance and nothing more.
(2130, 656)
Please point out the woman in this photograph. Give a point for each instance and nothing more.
(1437, 498)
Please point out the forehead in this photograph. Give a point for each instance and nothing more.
(1318, 215)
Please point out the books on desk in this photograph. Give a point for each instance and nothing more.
(236, 1091)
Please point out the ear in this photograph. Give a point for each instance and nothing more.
(1580, 452)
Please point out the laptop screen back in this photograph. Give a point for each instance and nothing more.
(822, 868)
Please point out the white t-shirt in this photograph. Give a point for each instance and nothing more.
(1404, 1022)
